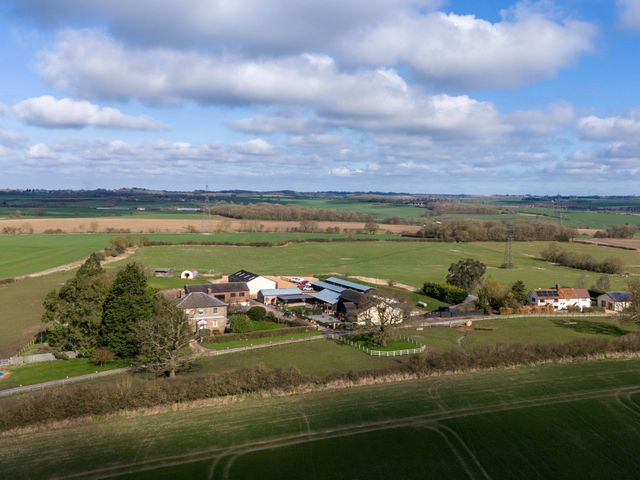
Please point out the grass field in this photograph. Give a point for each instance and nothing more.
(54, 370)
(576, 420)
(21, 310)
(377, 210)
(257, 341)
(407, 262)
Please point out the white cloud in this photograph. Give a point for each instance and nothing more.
(466, 51)
(343, 171)
(606, 129)
(40, 151)
(257, 146)
(629, 13)
(371, 99)
(49, 112)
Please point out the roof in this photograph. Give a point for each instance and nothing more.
(328, 286)
(228, 287)
(328, 296)
(162, 269)
(351, 296)
(562, 292)
(200, 300)
(295, 296)
(619, 296)
(197, 288)
(276, 292)
(347, 284)
(243, 276)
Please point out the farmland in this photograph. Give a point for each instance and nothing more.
(545, 421)
(408, 262)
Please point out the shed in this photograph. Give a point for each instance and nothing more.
(187, 274)
(162, 272)
(358, 287)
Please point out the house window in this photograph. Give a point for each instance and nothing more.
(233, 295)
(214, 324)
(201, 311)
(215, 310)
(242, 294)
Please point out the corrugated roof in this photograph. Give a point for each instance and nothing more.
(328, 286)
(328, 296)
(347, 284)
(619, 296)
(274, 292)
(295, 296)
(199, 300)
(242, 276)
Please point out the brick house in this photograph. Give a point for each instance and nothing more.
(231, 292)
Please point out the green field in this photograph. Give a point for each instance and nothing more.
(577, 420)
(377, 210)
(257, 341)
(407, 262)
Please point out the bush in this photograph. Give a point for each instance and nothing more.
(445, 292)
(240, 323)
(257, 313)
(102, 355)
(556, 254)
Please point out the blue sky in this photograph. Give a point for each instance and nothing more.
(424, 96)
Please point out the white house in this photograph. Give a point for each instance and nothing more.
(560, 298)
(616, 301)
(254, 281)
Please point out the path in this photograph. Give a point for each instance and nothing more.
(212, 353)
(70, 266)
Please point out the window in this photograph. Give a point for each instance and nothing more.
(214, 324)
(201, 311)
(242, 294)
(215, 310)
(233, 295)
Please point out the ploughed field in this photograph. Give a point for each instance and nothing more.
(576, 420)
(407, 262)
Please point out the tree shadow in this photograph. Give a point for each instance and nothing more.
(589, 326)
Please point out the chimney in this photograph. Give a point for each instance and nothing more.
(557, 287)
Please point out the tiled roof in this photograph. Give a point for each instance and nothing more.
(200, 300)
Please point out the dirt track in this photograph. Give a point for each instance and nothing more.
(176, 225)
(627, 243)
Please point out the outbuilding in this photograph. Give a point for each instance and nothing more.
(254, 281)
(269, 296)
(616, 301)
(189, 274)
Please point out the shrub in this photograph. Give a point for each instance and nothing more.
(102, 355)
(240, 323)
(257, 313)
(445, 292)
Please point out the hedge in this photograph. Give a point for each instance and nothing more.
(445, 292)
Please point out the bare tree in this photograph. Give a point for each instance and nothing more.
(383, 311)
(163, 336)
(632, 312)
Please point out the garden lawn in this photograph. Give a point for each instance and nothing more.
(258, 341)
(406, 262)
(561, 421)
(30, 374)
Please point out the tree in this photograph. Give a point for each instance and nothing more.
(127, 304)
(490, 295)
(603, 283)
(383, 313)
(371, 227)
(241, 323)
(102, 355)
(631, 314)
(519, 292)
(74, 312)
(466, 273)
(162, 337)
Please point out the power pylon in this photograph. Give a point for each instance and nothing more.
(508, 249)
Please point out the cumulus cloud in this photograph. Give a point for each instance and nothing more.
(371, 99)
(40, 151)
(607, 129)
(264, 26)
(466, 51)
(629, 13)
(49, 112)
(256, 146)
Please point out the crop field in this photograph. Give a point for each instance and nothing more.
(561, 421)
(377, 210)
(407, 262)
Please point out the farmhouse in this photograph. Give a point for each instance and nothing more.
(271, 296)
(254, 281)
(560, 298)
(616, 301)
(358, 287)
(232, 292)
(204, 311)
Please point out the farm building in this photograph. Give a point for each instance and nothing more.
(254, 281)
(187, 274)
(204, 311)
(162, 272)
(320, 285)
(328, 299)
(269, 296)
(560, 298)
(352, 306)
(358, 287)
(232, 292)
(616, 301)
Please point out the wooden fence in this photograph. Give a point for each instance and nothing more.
(383, 353)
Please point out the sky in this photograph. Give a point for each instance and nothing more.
(419, 96)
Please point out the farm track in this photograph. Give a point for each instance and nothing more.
(222, 457)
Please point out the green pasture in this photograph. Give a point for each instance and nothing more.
(377, 210)
(258, 341)
(407, 262)
(54, 370)
(560, 421)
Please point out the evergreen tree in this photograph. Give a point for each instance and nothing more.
(519, 292)
(466, 273)
(126, 305)
(74, 312)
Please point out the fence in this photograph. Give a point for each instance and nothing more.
(383, 353)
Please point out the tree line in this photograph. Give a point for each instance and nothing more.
(274, 211)
(558, 254)
(495, 231)
(617, 231)
(105, 316)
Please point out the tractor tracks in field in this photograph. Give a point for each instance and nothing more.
(222, 458)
